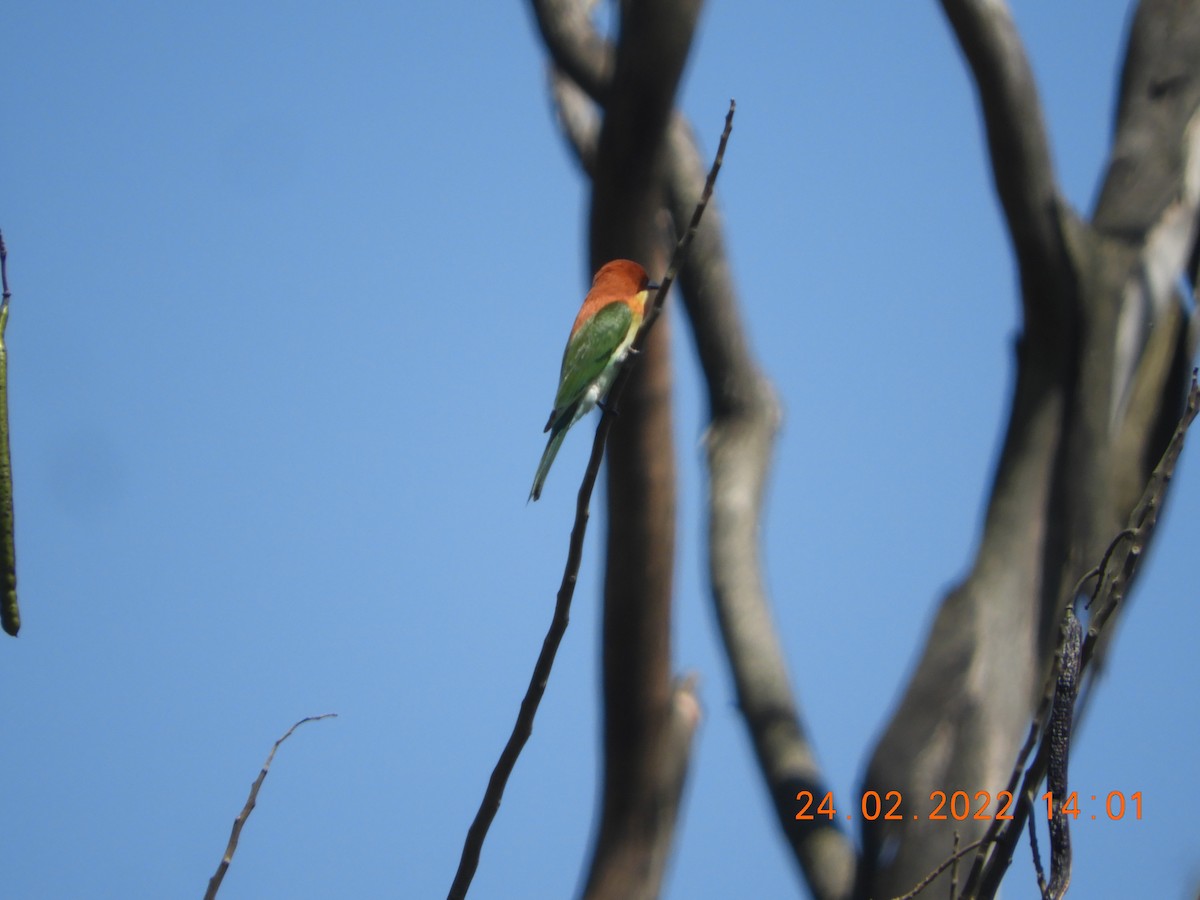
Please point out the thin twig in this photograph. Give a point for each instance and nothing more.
(10, 613)
(685, 240)
(954, 868)
(214, 883)
(947, 863)
(523, 727)
(995, 831)
(1099, 570)
(1037, 858)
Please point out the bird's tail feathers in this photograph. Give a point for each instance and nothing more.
(543, 469)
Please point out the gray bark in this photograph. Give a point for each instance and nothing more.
(1101, 372)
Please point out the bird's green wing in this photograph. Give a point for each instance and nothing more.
(591, 350)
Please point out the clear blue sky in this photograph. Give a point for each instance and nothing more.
(291, 286)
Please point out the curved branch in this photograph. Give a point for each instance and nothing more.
(965, 708)
(739, 442)
(574, 44)
(1092, 409)
(1022, 166)
(578, 118)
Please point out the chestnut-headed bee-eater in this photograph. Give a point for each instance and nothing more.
(600, 339)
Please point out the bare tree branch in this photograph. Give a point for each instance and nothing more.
(578, 118)
(745, 417)
(1159, 93)
(1101, 367)
(574, 45)
(612, 880)
(959, 853)
(1146, 220)
(10, 613)
(1122, 560)
(1116, 571)
(1022, 166)
(214, 883)
(523, 726)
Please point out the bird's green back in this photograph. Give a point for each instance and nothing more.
(590, 350)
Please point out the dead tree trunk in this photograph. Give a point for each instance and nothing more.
(1101, 373)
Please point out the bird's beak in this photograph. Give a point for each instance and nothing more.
(653, 286)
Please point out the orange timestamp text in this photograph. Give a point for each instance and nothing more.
(959, 806)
